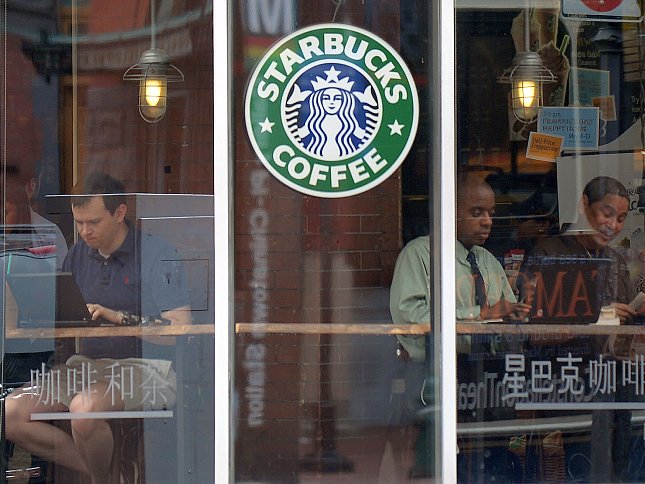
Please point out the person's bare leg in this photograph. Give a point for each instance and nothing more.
(36, 437)
(93, 437)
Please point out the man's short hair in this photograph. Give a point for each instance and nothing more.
(103, 184)
(467, 180)
(601, 186)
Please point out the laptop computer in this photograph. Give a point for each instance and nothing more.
(46, 300)
(566, 289)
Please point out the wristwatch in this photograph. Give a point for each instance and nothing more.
(128, 319)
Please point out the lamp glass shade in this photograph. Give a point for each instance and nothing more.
(152, 97)
(527, 98)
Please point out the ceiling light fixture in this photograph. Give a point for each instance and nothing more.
(526, 76)
(153, 72)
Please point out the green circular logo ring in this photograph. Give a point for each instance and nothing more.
(331, 110)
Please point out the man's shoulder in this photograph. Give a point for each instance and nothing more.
(614, 254)
(418, 248)
(416, 253)
(556, 245)
(76, 255)
(77, 250)
(421, 243)
(154, 246)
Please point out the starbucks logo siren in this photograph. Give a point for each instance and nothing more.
(331, 110)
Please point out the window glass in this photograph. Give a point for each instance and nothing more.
(549, 254)
(324, 104)
(107, 241)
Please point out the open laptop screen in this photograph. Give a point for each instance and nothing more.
(49, 300)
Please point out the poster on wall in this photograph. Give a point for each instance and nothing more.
(578, 126)
(574, 172)
(587, 84)
(331, 110)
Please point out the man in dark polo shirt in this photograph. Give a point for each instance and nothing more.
(121, 286)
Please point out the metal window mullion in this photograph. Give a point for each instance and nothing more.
(443, 34)
(222, 186)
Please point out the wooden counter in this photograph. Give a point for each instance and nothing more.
(331, 328)
(112, 331)
(420, 329)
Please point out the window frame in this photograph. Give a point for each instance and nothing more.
(443, 187)
(442, 184)
(223, 236)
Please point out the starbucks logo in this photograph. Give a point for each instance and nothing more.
(331, 110)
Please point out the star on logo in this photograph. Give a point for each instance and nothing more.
(395, 128)
(266, 125)
(332, 74)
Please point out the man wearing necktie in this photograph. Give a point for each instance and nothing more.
(483, 291)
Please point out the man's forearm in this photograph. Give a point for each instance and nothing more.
(181, 315)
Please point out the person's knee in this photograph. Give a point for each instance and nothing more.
(17, 413)
(83, 402)
(85, 427)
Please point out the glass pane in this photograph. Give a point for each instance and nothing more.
(324, 106)
(549, 203)
(107, 233)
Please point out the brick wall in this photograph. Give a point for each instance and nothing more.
(302, 259)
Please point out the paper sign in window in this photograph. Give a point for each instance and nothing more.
(544, 147)
(607, 106)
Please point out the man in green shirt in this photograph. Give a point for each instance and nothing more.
(410, 292)
(483, 292)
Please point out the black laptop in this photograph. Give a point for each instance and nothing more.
(46, 300)
(567, 289)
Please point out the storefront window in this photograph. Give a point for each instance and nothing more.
(549, 218)
(107, 241)
(335, 374)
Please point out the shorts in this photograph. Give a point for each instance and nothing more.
(142, 384)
